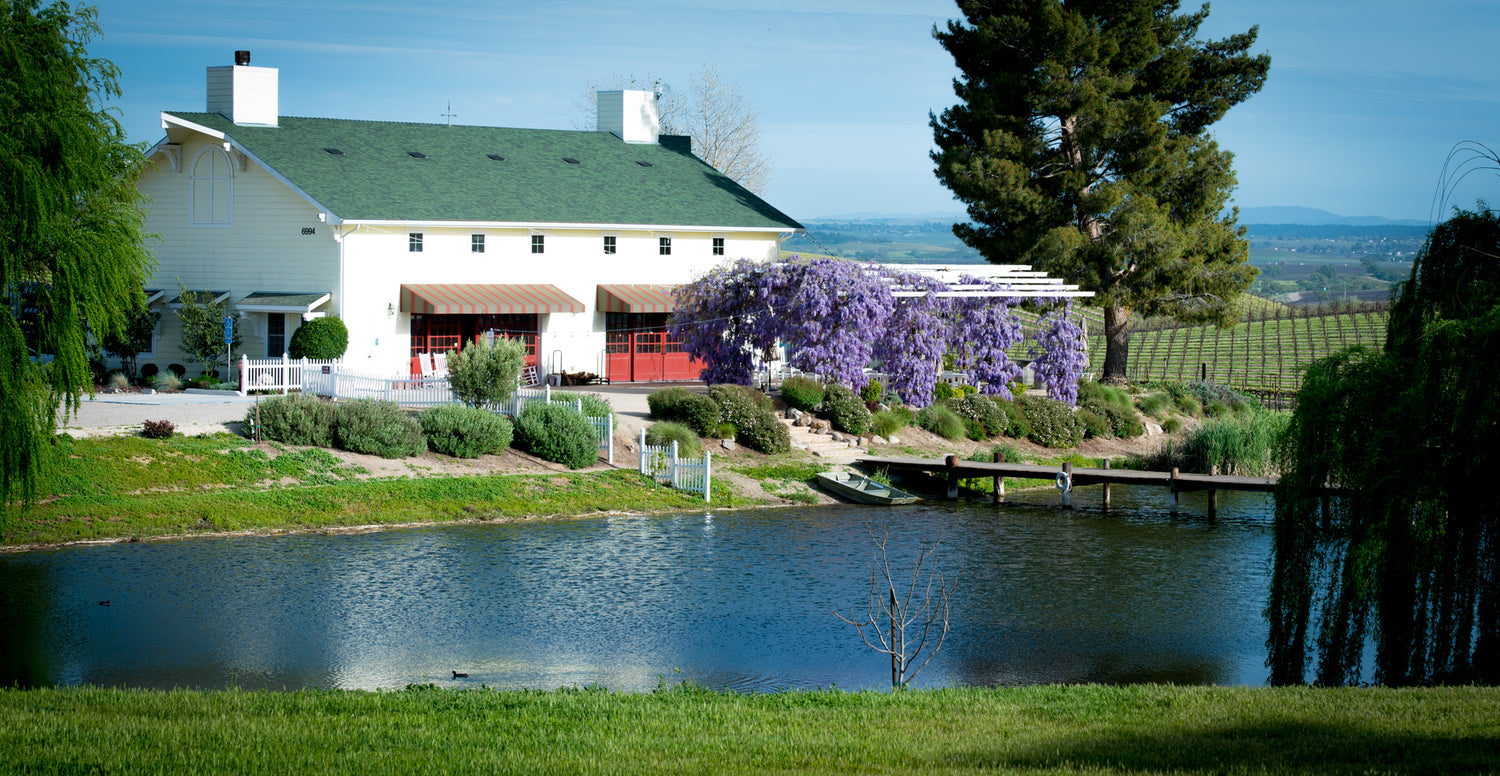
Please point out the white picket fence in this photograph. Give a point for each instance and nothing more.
(334, 380)
(661, 463)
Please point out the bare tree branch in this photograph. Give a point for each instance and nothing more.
(905, 611)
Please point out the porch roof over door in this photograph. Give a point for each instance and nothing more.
(497, 299)
(636, 298)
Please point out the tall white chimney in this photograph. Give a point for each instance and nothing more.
(629, 115)
(245, 94)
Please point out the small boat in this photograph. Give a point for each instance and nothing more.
(857, 487)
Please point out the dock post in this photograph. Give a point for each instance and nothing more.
(1174, 490)
(1067, 494)
(950, 461)
(998, 481)
(1213, 496)
(1106, 485)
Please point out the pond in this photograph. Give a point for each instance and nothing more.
(742, 600)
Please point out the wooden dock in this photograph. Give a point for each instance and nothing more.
(1067, 477)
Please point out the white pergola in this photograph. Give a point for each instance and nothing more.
(1017, 281)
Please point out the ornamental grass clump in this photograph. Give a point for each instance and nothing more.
(941, 420)
(887, 422)
(557, 433)
(666, 432)
(293, 419)
(465, 432)
(1052, 422)
(375, 427)
(846, 410)
(1114, 406)
(803, 393)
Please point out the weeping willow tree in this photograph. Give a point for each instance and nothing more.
(1407, 556)
(71, 254)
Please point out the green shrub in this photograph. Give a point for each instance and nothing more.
(596, 406)
(983, 411)
(763, 432)
(1052, 422)
(663, 403)
(293, 419)
(1217, 409)
(1123, 422)
(846, 410)
(803, 393)
(942, 391)
(873, 391)
(737, 402)
(1095, 426)
(487, 372)
(941, 420)
(557, 433)
(1188, 404)
(1209, 393)
(1171, 425)
(666, 432)
(1240, 444)
(465, 432)
(1016, 424)
(1156, 404)
(700, 413)
(376, 427)
(887, 422)
(320, 338)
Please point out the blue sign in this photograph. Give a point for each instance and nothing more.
(228, 330)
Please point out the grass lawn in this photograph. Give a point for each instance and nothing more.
(1052, 729)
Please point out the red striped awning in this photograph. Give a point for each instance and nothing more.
(466, 298)
(636, 299)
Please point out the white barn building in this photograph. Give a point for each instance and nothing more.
(423, 236)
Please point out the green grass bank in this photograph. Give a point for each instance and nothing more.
(1138, 729)
(131, 487)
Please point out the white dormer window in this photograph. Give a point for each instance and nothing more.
(210, 193)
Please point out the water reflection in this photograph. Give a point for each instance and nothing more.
(741, 600)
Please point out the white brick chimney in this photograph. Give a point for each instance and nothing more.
(244, 94)
(629, 115)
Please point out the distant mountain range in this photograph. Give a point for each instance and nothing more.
(1302, 216)
(1311, 216)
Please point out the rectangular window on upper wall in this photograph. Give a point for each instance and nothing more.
(275, 334)
(476, 243)
(718, 246)
(538, 243)
(414, 242)
(609, 243)
(664, 246)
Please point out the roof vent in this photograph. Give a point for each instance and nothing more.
(416, 154)
(571, 160)
(496, 157)
(334, 151)
(645, 164)
(242, 57)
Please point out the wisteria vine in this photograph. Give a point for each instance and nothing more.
(836, 315)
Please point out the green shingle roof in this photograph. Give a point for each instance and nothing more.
(375, 178)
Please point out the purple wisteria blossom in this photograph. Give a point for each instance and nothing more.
(983, 329)
(911, 352)
(835, 311)
(1060, 354)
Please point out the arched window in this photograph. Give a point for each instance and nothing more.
(210, 188)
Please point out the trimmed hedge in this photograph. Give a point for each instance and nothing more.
(294, 419)
(319, 339)
(846, 410)
(557, 433)
(465, 432)
(375, 427)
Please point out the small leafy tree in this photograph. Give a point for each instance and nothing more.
(322, 339)
(903, 623)
(202, 323)
(487, 372)
(133, 336)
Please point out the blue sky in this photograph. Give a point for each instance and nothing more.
(1363, 104)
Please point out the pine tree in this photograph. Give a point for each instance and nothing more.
(1080, 145)
(71, 251)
